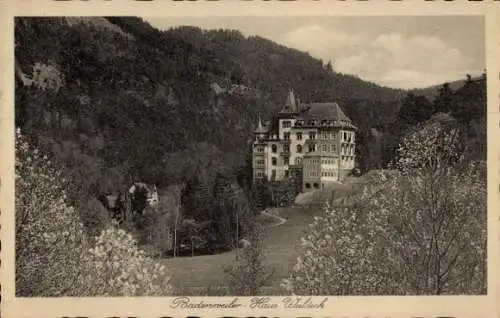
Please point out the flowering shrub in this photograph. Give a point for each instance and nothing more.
(49, 238)
(124, 270)
(53, 253)
(436, 145)
(421, 230)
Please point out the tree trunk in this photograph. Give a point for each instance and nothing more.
(192, 247)
(175, 238)
(237, 236)
(175, 228)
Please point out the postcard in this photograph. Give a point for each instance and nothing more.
(250, 158)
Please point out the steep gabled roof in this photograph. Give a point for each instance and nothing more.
(320, 111)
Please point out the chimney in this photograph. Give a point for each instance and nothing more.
(298, 105)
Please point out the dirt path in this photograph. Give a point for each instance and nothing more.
(279, 219)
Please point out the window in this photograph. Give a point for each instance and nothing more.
(286, 148)
(287, 160)
(286, 136)
(287, 173)
(273, 174)
(312, 148)
(299, 136)
(316, 186)
(308, 186)
(345, 136)
(274, 161)
(274, 148)
(324, 148)
(312, 135)
(299, 148)
(298, 160)
(286, 124)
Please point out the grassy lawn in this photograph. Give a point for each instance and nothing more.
(193, 275)
(280, 250)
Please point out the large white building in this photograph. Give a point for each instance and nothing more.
(314, 141)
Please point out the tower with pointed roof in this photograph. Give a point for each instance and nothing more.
(290, 106)
(315, 143)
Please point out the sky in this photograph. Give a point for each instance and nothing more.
(398, 51)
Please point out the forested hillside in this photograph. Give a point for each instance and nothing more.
(117, 98)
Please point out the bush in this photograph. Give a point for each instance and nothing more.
(53, 254)
(249, 274)
(121, 269)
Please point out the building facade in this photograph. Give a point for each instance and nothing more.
(315, 141)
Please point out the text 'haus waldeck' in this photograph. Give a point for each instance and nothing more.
(313, 141)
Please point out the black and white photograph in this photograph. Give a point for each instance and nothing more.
(250, 156)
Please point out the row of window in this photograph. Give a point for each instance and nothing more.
(347, 149)
(273, 174)
(298, 160)
(298, 136)
(299, 148)
(288, 123)
(306, 173)
(326, 161)
(328, 174)
(311, 173)
(314, 122)
(328, 135)
(312, 161)
(348, 136)
(347, 158)
(259, 161)
(322, 173)
(329, 147)
(274, 161)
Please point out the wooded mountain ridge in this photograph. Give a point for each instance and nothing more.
(138, 95)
